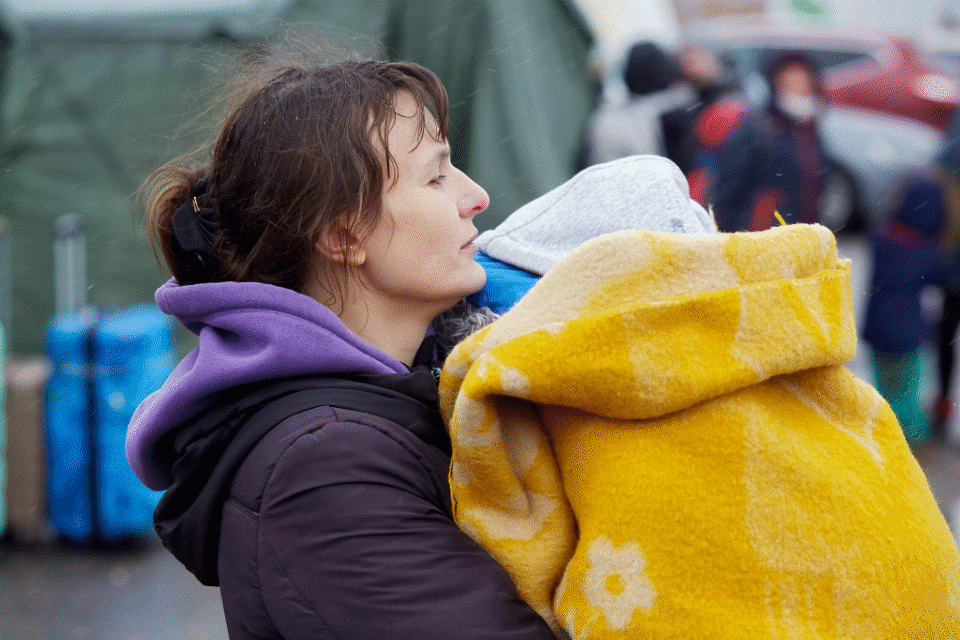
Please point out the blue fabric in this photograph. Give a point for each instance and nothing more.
(922, 207)
(505, 284)
(904, 261)
(899, 378)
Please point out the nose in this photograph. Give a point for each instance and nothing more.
(473, 201)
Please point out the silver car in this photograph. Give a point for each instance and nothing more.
(871, 153)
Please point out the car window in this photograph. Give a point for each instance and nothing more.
(828, 58)
(753, 58)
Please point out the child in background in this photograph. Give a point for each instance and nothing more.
(906, 258)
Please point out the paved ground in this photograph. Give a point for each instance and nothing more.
(54, 593)
(133, 594)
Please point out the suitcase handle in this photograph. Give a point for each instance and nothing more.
(70, 264)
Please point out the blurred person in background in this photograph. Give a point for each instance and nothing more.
(299, 447)
(907, 257)
(770, 158)
(635, 127)
(700, 69)
(947, 171)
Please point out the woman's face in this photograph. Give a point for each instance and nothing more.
(421, 250)
(796, 92)
(795, 79)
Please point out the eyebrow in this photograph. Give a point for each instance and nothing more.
(440, 155)
(437, 158)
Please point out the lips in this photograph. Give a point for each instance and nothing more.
(470, 241)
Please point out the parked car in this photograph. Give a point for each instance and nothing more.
(943, 46)
(863, 70)
(870, 154)
(887, 105)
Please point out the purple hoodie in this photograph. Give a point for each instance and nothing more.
(248, 332)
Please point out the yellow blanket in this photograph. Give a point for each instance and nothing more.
(660, 441)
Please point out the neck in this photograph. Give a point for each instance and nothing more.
(396, 327)
(395, 334)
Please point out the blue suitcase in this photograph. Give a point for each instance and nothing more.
(102, 366)
(103, 363)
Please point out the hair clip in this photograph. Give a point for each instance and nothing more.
(192, 224)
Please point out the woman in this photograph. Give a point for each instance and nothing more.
(299, 445)
(773, 159)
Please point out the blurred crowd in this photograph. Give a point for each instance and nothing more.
(745, 162)
(755, 165)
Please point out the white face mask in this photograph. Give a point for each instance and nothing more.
(800, 107)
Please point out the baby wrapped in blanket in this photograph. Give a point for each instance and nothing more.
(659, 440)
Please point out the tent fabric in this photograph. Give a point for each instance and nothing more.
(90, 108)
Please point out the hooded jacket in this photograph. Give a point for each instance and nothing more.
(906, 258)
(660, 440)
(305, 473)
(637, 192)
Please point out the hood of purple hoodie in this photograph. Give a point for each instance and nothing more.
(248, 332)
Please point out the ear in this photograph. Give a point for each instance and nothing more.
(338, 244)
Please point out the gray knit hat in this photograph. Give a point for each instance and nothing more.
(637, 192)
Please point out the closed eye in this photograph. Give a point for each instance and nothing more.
(438, 180)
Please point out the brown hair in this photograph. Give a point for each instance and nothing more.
(305, 147)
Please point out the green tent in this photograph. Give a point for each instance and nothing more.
(92, 105)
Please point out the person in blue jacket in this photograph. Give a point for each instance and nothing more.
(906, 258)
(299, 447)
(773, 160)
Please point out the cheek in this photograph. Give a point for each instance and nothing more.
(425, 234)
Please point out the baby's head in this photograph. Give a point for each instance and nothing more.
(647, 193)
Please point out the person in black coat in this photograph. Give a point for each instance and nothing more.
(773, 161)
(299, 446)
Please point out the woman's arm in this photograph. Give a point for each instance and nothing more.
(355, 542)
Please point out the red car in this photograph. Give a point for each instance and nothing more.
(862, 70)
(899, 80)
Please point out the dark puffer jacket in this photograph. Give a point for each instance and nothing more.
(305, 472)
(337, 523)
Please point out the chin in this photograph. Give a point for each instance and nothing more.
(478, 282)
(466, 284)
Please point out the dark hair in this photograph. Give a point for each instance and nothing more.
(649, 68)
(775, 64)
(304, 148)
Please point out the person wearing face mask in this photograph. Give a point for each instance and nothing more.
(773, 159)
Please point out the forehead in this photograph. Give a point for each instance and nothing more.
(794, 74)
(414, 131)
(794, 69)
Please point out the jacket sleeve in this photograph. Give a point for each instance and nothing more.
(355, 543)
(941, 267)
(735, 178)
